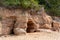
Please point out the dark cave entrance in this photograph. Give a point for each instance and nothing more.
(13, 24)
(30, 27)
(12, 31)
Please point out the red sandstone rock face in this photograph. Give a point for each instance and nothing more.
(56, 23)
(21, 21)
(56, 26)
(45, 21)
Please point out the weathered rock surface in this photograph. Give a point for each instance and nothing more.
(19, 21)
(45, 20)
(56, 24)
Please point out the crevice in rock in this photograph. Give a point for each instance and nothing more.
(52, 27)
(12, 31)
(14, 21)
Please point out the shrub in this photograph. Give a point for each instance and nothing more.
(52, 6)
(21, 3)
(10, 2)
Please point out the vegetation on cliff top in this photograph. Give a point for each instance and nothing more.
(20, 3)
(51, 6)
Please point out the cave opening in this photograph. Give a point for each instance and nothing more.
(30, 27)
(12, 31)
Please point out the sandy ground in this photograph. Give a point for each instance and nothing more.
(34, 36)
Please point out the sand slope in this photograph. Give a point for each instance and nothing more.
(34, 36)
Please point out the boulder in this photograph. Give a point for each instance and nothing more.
(56, 26)
(18, 31)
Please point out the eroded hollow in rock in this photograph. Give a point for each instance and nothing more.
(13, 24)
(12, 31)
(30, 27)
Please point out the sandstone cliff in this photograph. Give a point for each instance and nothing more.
(20, 21)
